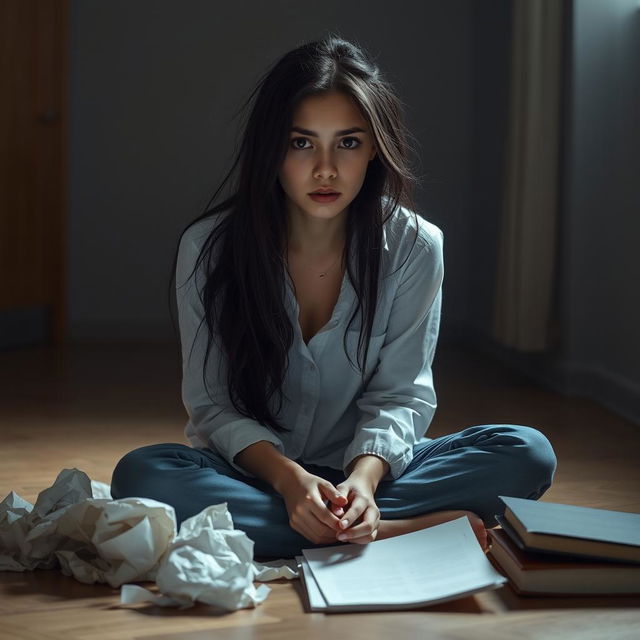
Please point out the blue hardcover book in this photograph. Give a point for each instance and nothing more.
(572, 530)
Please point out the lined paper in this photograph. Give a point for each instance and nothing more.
(427, 566)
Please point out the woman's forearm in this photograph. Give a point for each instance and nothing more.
(264, 461)
(370, 468)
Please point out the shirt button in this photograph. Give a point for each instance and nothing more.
(311, 366)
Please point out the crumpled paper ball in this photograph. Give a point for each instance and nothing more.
(76, 526)
(210, 561)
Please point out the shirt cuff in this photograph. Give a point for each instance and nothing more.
(235, 436)
(384, 444)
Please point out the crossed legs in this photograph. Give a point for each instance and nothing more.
(459, 473)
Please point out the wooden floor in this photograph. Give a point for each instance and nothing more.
(86, 406)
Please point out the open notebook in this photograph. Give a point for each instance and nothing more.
(425, 567)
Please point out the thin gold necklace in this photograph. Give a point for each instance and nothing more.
(324, 273)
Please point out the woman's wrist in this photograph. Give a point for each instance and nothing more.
(286, 474)
(265, 462)
(369, 469)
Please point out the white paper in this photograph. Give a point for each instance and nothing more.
(275, 569)
(431, 565)
(100, 489)
(28, 538)
(314, 595)
(77, 527)
(211, 562)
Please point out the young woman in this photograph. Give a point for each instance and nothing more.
(309, 308)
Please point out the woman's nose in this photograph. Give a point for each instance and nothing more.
(326, 165)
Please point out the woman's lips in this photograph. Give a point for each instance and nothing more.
(324, 197)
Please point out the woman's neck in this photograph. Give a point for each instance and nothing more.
(316, 239)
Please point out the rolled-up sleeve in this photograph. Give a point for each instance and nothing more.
(215, 421)
(398, 403)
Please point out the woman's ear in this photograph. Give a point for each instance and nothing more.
(373, 154)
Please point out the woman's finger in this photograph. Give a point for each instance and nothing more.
(320, 509)
(319, 529)
(330, 493)
(356, 509)
(366, 539)
(364, 529)
(360, 531)
(323, 516)
(313, 530)
(320, 518)
(337, 511)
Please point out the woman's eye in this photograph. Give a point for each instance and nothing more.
(294, 142)
(356, 140)
(351, 141)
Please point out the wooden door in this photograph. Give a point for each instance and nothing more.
(33, 163)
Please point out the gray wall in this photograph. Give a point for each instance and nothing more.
(154, 86)
(597, 313)
(491, 46)
(601, 288)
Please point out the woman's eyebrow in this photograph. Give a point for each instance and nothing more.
(344, 132)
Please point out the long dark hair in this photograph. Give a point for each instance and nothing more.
(243, 298)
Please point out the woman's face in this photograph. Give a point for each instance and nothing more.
(330, 145)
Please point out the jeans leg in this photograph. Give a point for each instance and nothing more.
(468, 470)
(191, 479)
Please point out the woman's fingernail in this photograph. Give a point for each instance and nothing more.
(342, 536)
(344, 523)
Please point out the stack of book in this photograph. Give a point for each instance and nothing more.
(545, 548)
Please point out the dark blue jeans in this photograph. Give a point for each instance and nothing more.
(466, 470)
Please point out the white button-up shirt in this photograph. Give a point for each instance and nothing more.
(333, 416)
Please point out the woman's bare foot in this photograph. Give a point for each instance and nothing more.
(390, 528)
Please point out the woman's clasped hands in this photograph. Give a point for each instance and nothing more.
(360, 518)
(325, 514)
